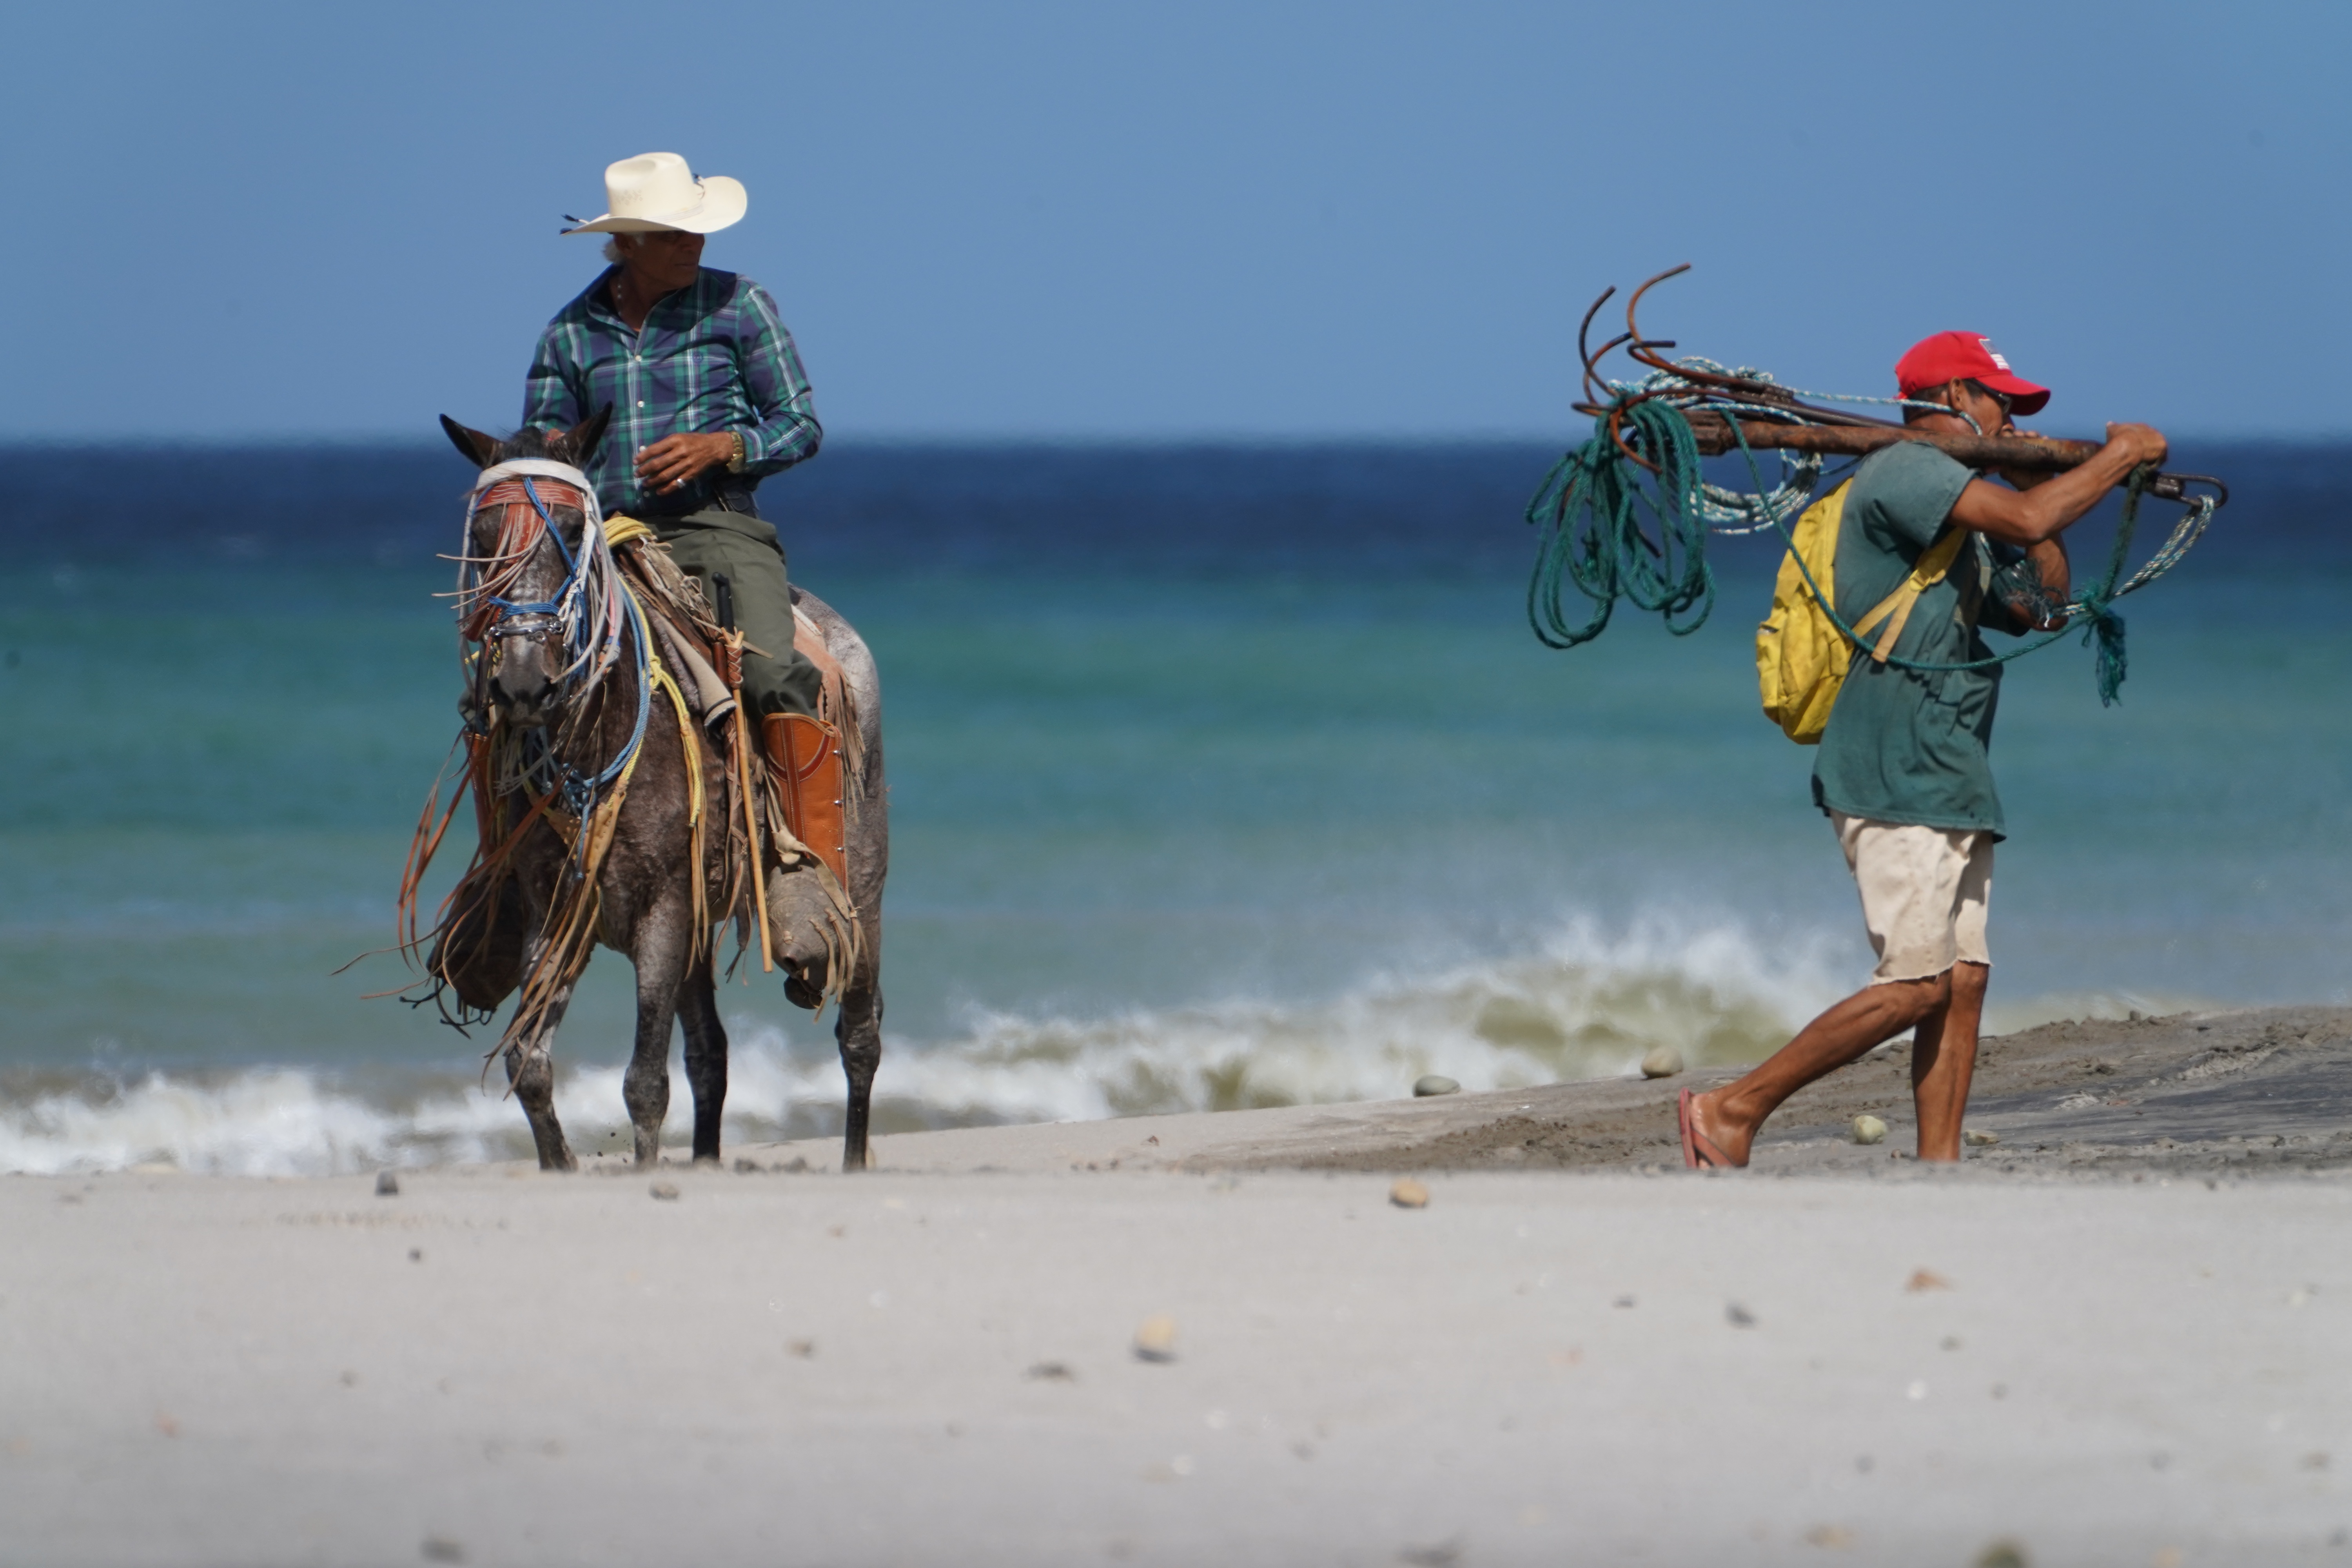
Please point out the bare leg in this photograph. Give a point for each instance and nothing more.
(1943, 1061)
(659, 954)
(1731, 1115)
(706, 1058)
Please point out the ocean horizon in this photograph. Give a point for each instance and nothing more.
(1221, 775)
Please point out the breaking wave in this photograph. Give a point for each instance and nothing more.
(1583, 1006)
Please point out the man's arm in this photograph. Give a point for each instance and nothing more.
(787, 431)
(2026, 594)
(549, 401)
(784, 429)
(2037, 516)
(2025, 597)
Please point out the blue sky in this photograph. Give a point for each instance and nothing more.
(1125, 221)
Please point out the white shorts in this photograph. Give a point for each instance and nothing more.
(1925, 892)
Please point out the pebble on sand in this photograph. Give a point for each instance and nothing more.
(1156, 1339)
(387, 1186)
(1409, 1193)
(666, 1191)
(1869, 1129)
(1435, 1084)
(1979, 1138)
(1662, 1061)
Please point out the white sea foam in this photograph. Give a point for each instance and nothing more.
(1584, 1005)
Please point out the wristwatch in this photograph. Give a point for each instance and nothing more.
(735, 463)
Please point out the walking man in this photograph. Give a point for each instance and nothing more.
(1903, 773)
(708, 398)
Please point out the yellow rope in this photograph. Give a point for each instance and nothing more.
(621, 529)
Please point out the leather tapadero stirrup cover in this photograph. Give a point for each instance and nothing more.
(805, 754)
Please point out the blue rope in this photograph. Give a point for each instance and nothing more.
(579, 789)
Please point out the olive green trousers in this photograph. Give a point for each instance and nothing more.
(740, 563)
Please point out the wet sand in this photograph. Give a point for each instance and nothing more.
(2227, 1095)
(2117, 1336)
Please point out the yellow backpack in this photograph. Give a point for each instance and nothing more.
(1802, 657)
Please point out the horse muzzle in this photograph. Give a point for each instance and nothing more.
(519, 686)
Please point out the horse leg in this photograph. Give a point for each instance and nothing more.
(659, 954)
(858, 1030)
(531, 1073)
(706, 1058)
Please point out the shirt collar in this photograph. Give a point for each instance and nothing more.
(600, 296)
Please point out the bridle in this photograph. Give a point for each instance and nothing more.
(523, 515)
(586, 614)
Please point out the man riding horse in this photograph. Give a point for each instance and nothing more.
(708, 398)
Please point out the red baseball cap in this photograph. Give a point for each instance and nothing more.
(1966, 356)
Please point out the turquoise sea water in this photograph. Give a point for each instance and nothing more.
(1168, 832)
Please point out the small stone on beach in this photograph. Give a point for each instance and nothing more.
(666, 1191)
(1869, 1129)
(1156, 1339)
(1737, 1315)
(1409, 1193)
(1926, 1279)
(1435, 1084)
(1662, 1061)
(387, 1186)
(1979, 1138)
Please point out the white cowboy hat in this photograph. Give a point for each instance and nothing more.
(657, 191)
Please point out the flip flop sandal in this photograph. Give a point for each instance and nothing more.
(1699, 1151)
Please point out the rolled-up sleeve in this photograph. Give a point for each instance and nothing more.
(784, 429)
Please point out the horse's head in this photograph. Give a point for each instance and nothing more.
(527, 552)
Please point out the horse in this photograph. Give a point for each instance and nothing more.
(578, 713)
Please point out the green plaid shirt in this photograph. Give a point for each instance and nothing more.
(711, 357)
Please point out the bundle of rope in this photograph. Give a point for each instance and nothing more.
(1645, 457)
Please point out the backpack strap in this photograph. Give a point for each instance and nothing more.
(1895, 608)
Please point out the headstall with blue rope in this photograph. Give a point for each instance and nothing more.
(591, 614)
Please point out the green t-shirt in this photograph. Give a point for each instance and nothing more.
(1907, 745)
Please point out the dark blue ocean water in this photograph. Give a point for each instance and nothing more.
(1220, 776)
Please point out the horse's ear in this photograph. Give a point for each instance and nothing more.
(477, 448)
(582, 438)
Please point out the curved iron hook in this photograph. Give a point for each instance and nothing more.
(1583, 329)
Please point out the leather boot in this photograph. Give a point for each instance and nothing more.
(805, 756)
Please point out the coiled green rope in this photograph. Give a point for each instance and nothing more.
(1587, 510)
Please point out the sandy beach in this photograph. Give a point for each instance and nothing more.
(2115, 1335)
